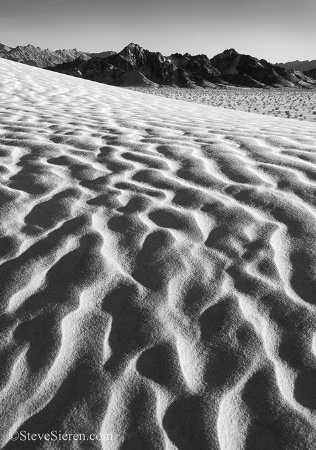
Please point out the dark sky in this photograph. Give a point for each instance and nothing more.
(277, 30)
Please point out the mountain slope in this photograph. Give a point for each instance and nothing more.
(199, 68)
(311, 73)
(246, 70)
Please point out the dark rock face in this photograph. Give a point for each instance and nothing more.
(100, 70)
(226, 62)
(311, 74)
(153, 66)
(198, 68)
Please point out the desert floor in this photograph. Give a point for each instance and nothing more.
(157, 271)
(285, 102)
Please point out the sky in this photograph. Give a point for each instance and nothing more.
(276, 30)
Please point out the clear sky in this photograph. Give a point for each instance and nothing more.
(276, 30)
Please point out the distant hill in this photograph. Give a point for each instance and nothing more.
(35, 56)
(101, 54)
(136, 66)
(303, 66)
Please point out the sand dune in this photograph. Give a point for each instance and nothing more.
(157, 271)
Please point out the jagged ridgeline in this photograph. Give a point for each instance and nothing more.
(35, 56)
(136, 66)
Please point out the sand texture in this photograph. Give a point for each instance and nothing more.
(279, 102)
(157, 270)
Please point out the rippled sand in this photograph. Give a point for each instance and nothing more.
(280, 102)
(157, 270)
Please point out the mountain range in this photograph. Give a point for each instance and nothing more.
(35, 56)
(136, 66)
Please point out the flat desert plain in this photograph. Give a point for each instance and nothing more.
(157, 271)
(279, 102)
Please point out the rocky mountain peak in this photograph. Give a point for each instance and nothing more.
(132, 48)
(231, 52)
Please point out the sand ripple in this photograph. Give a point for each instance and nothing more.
(157, 270)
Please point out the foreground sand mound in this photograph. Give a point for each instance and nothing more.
(157, 271)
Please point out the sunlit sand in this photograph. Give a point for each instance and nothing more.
(157, 268)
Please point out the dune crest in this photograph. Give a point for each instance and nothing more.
(157, 270)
